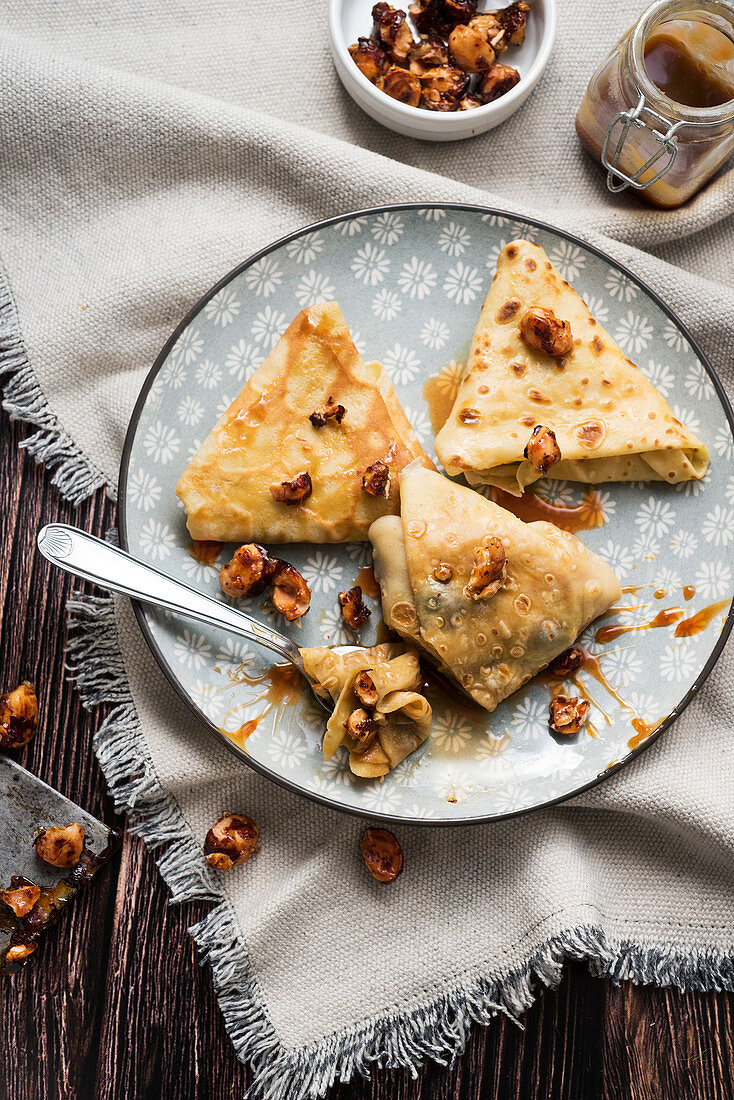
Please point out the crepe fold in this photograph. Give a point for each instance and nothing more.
(555, 586)
(402, 711)
(266, 437)
(610, 422)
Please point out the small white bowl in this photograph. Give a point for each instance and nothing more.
(352, 19)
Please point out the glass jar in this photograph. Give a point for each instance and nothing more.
(645, 137)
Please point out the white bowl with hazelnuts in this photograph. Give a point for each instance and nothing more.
(440, 70)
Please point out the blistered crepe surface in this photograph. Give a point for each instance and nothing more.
(555, 586)
(265, 437)
(610, 421)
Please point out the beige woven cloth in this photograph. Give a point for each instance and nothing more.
(147, 149)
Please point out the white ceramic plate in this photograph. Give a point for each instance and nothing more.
(410, 281)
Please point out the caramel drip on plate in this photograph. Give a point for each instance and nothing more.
(283, 687)
(569, 517)
(698, 622)
(644, 730)
(663, 618)
(688, 591)
(204, 551)
(240, 735)
(367, 581)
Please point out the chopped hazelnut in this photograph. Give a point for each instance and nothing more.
(401, 85)
(491, 30)
(328, 411)
(567, 714)
(489, 572)
(429, 17)
(18, 716)
(22, 895)
(393, 31)
(19, 952)
(354, 610)
(248, 573)
(427, 54)
(497, 81)
(470, 51)
(442, 88)
(571, 660)
(443, 572)
(361, 727)
(365, 690)
(513, 20)
(469, 103)
(376, 480)
(459, 11)
(291, 594)
(231, 842)
(382, 854)
(542, 449)
(61, 845)
(369, 58)
(543, 331)
(294, 491)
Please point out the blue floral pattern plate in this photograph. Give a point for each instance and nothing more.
(410, 281)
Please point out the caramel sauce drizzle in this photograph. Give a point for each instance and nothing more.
(698, 622)
(688, 591)
(569, 517)
(204, 551)
(663, 618)
(644, 730)
(367, 581)
(283, 688)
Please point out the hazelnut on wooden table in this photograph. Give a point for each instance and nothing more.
(382, 854)
(568, 714)
(542, 449)
(361, 727)
(294, 491)
(376, 480)
(543, 331)
(354, 610)
(231, 842)
(401, 85)
(61, 845)
(496, 82)
(21, 896)
(469, 49)
(291, 594)
(489, 572)
(369, 57)
(330, 410)
(18, 716)
(248, 573)
(19, 952)
(394, 33)
(365, 690)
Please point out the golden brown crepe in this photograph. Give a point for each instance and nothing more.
(610, 422)
(265, 437)
(555, 586)
(403, 713)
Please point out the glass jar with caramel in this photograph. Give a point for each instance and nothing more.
(659, 111)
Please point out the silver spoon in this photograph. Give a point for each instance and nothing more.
(94, 560)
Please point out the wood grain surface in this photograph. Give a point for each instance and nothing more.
(116, 1006)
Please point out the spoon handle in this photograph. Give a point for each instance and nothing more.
(94, 560)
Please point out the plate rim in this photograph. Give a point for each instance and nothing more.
(139, 607)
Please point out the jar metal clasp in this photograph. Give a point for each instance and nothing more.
(638, 118)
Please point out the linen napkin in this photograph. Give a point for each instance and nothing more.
(147, 149)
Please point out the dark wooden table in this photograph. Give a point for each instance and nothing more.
(116, 1004)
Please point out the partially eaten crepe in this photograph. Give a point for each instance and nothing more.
(401, 712)
(551, 586)
(610, 422)
(267, 437)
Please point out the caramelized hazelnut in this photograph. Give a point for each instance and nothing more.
(496, 82)
(231, 842)
(469, 103)
(22, 895)
(365, 690)
(459, 11)
(19, 952)
(382, 854)
(294, 491)
(442, 88)
(429, 17)
(542, 449)
(443, 573)
(489, 572)
(543, 331)
(18, 716)
(354, 610)
(394, 33)
(369, 58)
(427, 54)
(248, 573)
(567, 714)
(361, 727)
(328, 411)
(488, 25)
(401, 85)
(61, 845)
(568, 662)
(291, 594)
(376, 480)
(513, 20)
(470, 51)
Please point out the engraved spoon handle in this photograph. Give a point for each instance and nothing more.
(94, 560)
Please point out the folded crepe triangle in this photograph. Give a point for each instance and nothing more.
(266, 437)
(610, 422)
(554, 585)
